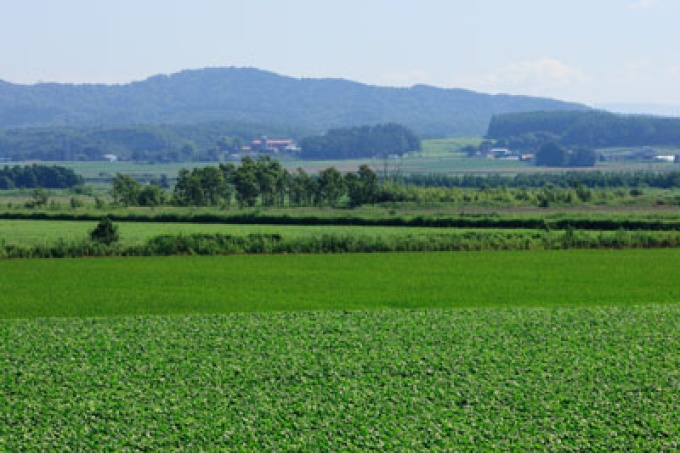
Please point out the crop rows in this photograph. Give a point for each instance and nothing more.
(416, 380)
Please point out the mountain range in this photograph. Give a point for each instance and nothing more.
(308, 106)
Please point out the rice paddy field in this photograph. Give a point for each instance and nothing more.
(553, 350)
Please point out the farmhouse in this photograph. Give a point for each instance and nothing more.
(275, 146)
(500, 153)
(665, 158)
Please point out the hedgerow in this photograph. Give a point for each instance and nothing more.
(223, 244)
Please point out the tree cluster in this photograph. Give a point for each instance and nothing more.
(596, 129)
(128, 192)
(552, 154)
(262, 181)
(33, 176)
(357, 142)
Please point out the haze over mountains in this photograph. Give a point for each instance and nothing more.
(308, 106)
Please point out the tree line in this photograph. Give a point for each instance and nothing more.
(35, 176)
(103, 241)
(595, 129)
(260, 181)
(204, 142)
(359, 142)
(590, 179)
(264, 182)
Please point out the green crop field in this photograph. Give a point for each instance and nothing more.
(469, 351)
(448, 146)
(181, 285)
(514, 379)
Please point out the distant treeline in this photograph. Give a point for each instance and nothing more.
(359, 142)
(33, 176)
(264, 182)
(591, 179)
(597, 129)
(142, 143)
(206, 142)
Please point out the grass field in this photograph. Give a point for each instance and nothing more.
(184, 285)
(515, 379)
(39, 231)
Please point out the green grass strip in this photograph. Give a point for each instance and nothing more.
(180, 285)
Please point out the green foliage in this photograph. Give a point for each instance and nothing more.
(125, 190)
(245, 181)
(591, 179)
(128, 192)
(415, 380)
(61, 239)
(105, 232)
(364, 141)
(38, 176)
(265, 181)
(595, 129)
(139, 143)
(168, 285)
(552, 155)
(585, 221)
(75, 203)
(38, 199)
(362, 187)
(331, 186)
(583, 157)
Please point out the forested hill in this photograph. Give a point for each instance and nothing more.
(260, 97)
(593, 128)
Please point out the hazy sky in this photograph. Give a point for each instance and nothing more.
(592, 51)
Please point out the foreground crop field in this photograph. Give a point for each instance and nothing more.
(183, 285)
(415, 380)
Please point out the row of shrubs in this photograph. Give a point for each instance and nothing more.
(218, 244)
(462, 221)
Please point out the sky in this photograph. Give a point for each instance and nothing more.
(591, 51)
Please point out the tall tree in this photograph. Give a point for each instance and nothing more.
(245, 182)
(331, 186)
(125, 190)
(362, 186)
